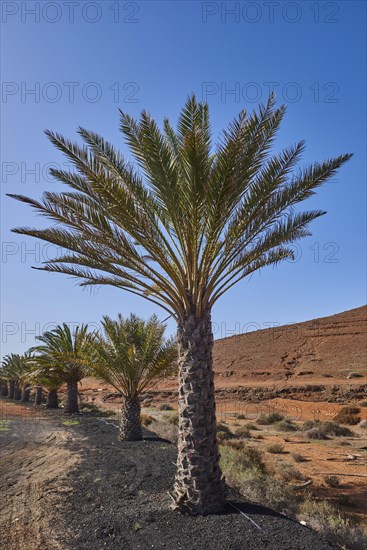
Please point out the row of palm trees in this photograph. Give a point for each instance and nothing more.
(178, 221)
(130, 354)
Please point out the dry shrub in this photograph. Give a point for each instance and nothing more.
(165, 430)
(237, 444)
(173, 419)
(297, 457)
(165, 407)
(289, 473)
(146, 419)
(287, 425)
(322, 430)
(243, 432)
(333, 524)
(267, 419)
(245, 470)
(332, 481)
(223, 432)
(274, 448)
(348, 415)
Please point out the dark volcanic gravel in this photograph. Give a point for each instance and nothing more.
(120, 501)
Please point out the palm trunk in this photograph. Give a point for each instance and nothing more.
(38, 396)
(52, 400)
(130, 425)
(199, 486)
(26, 392)
(17, 392)
(11, 388)
(71, 403)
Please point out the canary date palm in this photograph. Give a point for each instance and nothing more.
(63, 355)
(132, 355)
(14, 369)
(179, 226)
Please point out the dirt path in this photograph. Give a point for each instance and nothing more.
(78, 487)
(36, 459)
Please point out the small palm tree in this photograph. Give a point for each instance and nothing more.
(4, 387)
(132, 355)
(15, 367)
(192, 223)
(63, 356)
(44, 377)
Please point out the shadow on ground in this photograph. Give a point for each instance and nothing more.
(120, 501)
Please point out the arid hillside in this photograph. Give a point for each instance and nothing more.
(322, 360)
(330, 348)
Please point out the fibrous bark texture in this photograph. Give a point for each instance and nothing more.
(52, 400)
(199, 486)
(26, 392)
(130, 425)
(17, 392)
(38, 395)
(71, 402)
(11, 388)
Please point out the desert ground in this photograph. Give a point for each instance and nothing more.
(306, 371)
(68, 483)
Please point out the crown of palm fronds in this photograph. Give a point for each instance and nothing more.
(63, 354)
(16, 366)
(198, 221)
(132, 354)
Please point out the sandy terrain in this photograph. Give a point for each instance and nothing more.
(75, 486)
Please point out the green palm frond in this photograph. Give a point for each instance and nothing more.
(132, 354)
(199, 219)
(63, 355)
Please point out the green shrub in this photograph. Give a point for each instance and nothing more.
(241, 460)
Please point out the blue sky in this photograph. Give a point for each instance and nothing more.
(70, 64)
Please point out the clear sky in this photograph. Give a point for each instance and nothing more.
(66, 64)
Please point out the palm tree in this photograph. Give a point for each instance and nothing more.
(43, 377)
(132, 355)
(63, 355)
(15, 367)
(4, 388)
(192, 223)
